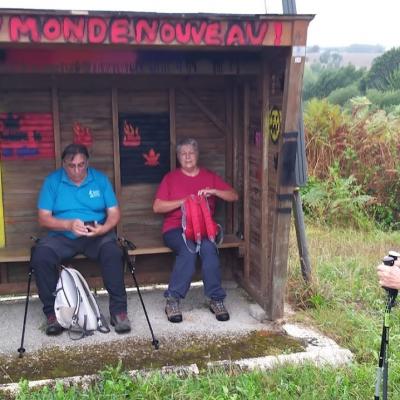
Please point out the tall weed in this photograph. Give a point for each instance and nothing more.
(336, 201)
(361, 144)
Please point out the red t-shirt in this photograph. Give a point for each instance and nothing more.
(176, 185)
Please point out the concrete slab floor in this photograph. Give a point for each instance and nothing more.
(198, 325)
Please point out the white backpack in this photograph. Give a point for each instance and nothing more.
(75, 307)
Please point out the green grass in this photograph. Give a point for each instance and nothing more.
(306, 382)
(344, 301)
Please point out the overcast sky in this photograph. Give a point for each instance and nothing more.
(337, 22)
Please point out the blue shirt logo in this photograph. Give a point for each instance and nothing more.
(94, 193)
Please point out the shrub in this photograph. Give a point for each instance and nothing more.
(363, 142)
(322, 121)
(342, 95)
(336, 201)
(384, 100)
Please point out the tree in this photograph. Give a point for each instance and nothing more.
(385, 71)
(331, 79)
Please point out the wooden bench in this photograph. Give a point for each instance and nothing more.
(145, 245)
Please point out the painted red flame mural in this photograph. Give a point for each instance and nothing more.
(131, 135)
(82, 134)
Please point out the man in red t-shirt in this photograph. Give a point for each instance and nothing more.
(175, 187)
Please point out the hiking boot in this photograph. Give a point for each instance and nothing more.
(172, 310)
(120, 322)
(217, 307)
(53, 327)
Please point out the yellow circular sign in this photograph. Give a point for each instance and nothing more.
(274, 123)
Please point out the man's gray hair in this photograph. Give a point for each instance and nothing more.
(187, 142)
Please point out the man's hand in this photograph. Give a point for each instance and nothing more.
(94, 230)
(78, 227)
(389, 276)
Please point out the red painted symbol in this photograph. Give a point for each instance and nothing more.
(131, 135)
(151, 158)
(278, 33)
(82, 135)
(26, 136)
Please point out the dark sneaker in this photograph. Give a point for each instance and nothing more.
(53, 328)
(120, 322)
(217, 307)
(172, 310)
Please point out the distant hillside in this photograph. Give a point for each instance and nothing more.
(359, 55)
(359, 60)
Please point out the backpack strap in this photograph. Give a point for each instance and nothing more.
(187, 223)
(215, 232)
(210, 224)
(102, 325)
(76, 331)
(195, 213)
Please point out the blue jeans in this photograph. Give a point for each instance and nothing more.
(185, 265)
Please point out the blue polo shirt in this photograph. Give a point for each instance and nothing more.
(88, 201)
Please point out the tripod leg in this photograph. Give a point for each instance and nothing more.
(21, 349)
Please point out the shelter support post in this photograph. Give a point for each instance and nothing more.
(301, 236)
(286, 176)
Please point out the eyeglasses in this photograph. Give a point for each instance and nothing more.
(79, 166)
(187, 154)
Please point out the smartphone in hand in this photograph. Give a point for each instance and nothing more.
(90, 223)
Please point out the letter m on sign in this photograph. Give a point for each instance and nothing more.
(24, 26)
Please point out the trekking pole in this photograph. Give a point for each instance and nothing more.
(128, 245)
(382, 372)
(21, 349)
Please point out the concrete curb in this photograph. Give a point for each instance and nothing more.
(320, 358)
(320, 350)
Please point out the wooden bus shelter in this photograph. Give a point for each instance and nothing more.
(129, 86)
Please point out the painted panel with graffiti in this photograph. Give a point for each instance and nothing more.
(144, 147)
(26, 136)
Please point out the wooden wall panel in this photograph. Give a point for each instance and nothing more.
(22, 179)
(143, 101)
(238, 128)
(192, 122)
(92, 109)
(255, 168)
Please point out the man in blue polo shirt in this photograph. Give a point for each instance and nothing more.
(78, 206)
